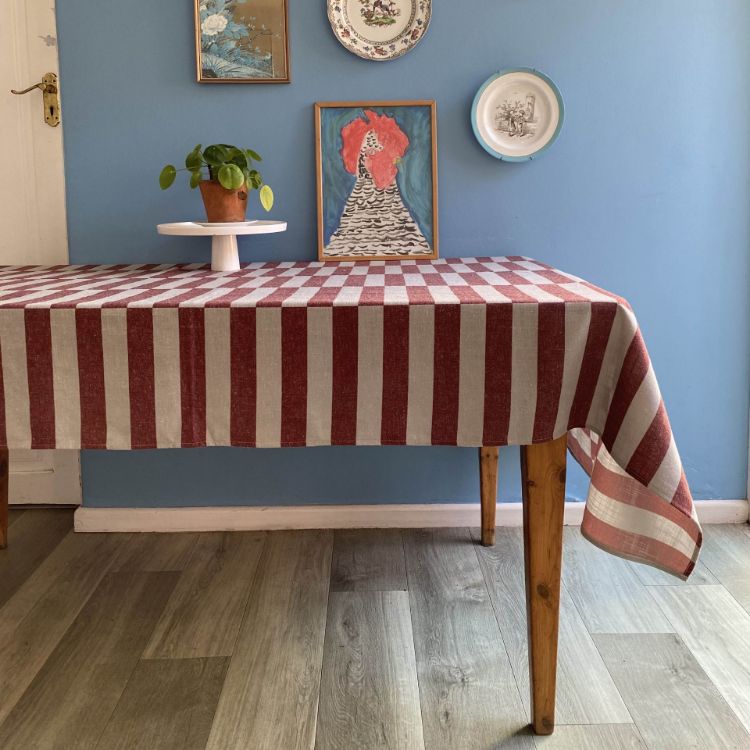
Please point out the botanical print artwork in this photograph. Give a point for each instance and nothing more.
(376, 175)
(516, 118)
(379, 29)
(242, 40)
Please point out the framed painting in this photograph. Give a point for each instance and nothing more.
(376, 180)
(241, 41)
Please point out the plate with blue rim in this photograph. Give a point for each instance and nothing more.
(517, 114)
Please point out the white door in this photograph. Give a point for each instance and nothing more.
(32, 205)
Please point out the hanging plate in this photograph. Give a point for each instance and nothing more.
(379, 29)
(517, 114)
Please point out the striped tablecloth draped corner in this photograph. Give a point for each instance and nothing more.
(467, 352)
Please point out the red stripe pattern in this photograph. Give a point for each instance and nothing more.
(39, 368)
(446, 375)
(344, 376)
(193, 376)
(140, 331)
(91, 379)
(395, 374)
(294, 375)
(243, 377)
(447, 352)
(497, 369)
(550, 365)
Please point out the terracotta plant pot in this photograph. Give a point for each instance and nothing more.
(221, 204)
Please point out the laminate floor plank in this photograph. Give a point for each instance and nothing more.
(443, 563)
(73, 634)
(76, 556)
(14, 514)
(35, 535)
(606, 590)
(368, 560)
(167, 705)
(584, 696)
(726, 553)
(369, 695)
(715, 628)
(659, 670)
(36, 617)
(650, 576)
(69, 701)
(204, 614)
(469, 698)
(152, 553)
(593, 737)
(270, 695)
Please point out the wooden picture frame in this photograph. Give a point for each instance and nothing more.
(242, 42)
(376, 175)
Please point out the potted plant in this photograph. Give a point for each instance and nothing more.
(225, 176)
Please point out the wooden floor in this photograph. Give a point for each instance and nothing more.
(362, 639)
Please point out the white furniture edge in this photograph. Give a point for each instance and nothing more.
(268, 518)
(225, 254)
(234, 228)
(45, 477)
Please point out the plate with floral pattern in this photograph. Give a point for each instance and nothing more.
(379, 29)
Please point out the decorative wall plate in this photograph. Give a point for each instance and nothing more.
(379, 29)
(517, 114)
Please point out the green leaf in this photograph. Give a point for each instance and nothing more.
(231, 177)
(266, 197)
(193, 160)
(195, 178)
(216, 155)
(255, 179)
(166, 178)
(238, 158)
(254, 155)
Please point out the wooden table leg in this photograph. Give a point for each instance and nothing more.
(543, 476)
(3, 498)
(488, 492)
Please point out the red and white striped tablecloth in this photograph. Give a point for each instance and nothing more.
(468, 352)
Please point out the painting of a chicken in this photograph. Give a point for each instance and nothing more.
(377, 178)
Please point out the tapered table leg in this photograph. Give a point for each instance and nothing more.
(488, 492)
(3, 498)
(543, 476)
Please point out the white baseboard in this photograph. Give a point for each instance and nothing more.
(722, 511)
(342, 516)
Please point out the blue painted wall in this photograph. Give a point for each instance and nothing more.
(646, 193)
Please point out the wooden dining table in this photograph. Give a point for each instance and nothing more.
(476, 352)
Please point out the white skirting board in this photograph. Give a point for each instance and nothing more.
(343, 516)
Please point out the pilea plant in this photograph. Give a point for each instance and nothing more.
(230, 166)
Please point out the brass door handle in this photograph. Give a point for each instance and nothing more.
(50, 98)
(43, 86)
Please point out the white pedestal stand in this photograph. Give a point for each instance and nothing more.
(224, 253)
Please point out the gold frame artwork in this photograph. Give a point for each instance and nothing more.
(400, 202)
(269, 24)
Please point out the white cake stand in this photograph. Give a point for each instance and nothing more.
(224, 254)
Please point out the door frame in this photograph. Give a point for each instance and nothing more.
(30, 43)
